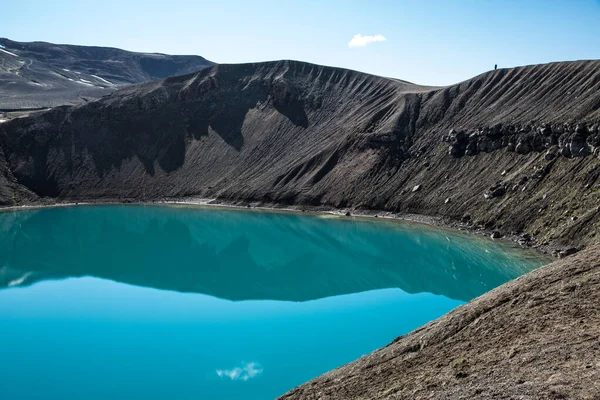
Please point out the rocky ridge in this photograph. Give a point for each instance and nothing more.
(567, 140)
(38, 75)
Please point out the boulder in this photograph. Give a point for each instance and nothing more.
(471, 148)
(567, 252)
(549, 156)
(495, 191)
(523, 147)
(546, 130)
(538, 143)
(578, 147)
(582, 130)
(483, 144)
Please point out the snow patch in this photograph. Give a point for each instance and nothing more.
(102, 79)
(84, 82)
(9, 53)
(66, 70)
(3, 120)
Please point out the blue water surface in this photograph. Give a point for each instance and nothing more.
(148, 302)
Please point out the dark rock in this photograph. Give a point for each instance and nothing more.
(471, 148)
(523, 147)
(496, 191)
(495, 235)
(578, 147)
(567, 252)
(456, 150)
(546, 130)
(582, 130)
(483, 144)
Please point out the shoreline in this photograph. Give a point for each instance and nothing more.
(547, 251)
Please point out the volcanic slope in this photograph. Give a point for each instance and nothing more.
(522, 156)
(535, 337)
(39, 74)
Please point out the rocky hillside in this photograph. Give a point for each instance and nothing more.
(533, 338)
(39, 74)
(514, 150)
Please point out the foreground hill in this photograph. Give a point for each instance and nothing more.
(522, 156)
(533, 338)
(40, 74)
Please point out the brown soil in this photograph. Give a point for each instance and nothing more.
(537, 337)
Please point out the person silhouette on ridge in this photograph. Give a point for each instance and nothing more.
(495, 67)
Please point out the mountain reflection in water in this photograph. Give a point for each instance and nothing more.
(241, 255)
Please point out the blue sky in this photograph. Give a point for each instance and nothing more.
(436, 42)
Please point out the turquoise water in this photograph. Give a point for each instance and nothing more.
(147, 302)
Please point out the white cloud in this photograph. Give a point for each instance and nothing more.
(361, 41)
(245, 372)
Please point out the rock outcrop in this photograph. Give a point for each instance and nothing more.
(568, 140)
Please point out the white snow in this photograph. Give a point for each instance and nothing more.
(8, 52)
(3, 120)
(71, 79)
(66, 70)
(84, 82)
(1, 45)
(78, 73)
(37, 84)
(102, 79)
